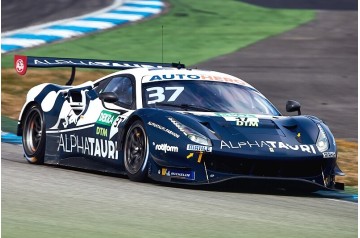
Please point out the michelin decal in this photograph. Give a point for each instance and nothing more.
(177, 173)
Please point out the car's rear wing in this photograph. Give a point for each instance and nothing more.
(22, 62)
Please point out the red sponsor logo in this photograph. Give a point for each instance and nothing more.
(20, 64)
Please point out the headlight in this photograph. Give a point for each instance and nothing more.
(191, 133)
(322, 142)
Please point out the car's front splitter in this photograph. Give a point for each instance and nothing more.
(208, 177)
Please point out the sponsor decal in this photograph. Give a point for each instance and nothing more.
(246, 120)
(271, 145)
(20, 62)
(88, 146)
(177, 173)
(163, 129)
(71, 118)
(251, 121)
(328, 155)
(233, 115)
(67, 116)
(189, 156)
(166, 148)
(217, 78)
(106, 118)
(177, 124)
(200, 148)
(118, 120)
(93, 63)
(101, 131)
(20, 66)
(114, 129)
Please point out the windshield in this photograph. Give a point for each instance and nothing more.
(206, 96)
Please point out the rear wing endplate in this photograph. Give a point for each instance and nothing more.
(22, 62)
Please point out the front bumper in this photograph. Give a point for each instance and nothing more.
(291, 174)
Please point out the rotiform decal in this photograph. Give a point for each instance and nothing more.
(88, 146)
(166, 148)
(271, 145)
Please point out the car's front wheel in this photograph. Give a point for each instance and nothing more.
(136, 152)
(34, 135)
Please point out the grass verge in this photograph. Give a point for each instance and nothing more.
(194, 31)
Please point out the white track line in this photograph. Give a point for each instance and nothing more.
(139, 9)
(152, 3)
(22, 42)
(91, 24)
(130, 17)
(57, 32)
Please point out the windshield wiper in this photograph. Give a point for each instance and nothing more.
(185, 106)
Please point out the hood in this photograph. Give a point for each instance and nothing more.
(251, 125)
(282, 134)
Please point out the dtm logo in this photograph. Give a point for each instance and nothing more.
(20, 66)
(166, 148)
(247, 121)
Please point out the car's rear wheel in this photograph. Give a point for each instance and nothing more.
(136, 152)
(34, 135)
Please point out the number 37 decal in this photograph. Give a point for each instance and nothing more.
(157, 94)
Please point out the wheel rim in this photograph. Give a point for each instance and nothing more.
(33, 132)
(135, 149)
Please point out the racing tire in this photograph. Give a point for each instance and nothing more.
(136, 152)
(33, 135)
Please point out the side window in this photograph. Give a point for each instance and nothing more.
(102, 85)
(124, 89)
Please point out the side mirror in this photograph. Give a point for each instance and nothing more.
(109, 97)
(292, 106)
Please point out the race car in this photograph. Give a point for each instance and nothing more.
(173, 124)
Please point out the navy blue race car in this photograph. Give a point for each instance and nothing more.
(171, 124)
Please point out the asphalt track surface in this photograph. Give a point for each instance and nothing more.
(17, 14)
(70, 203)
(47, 201)
(315, 64)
